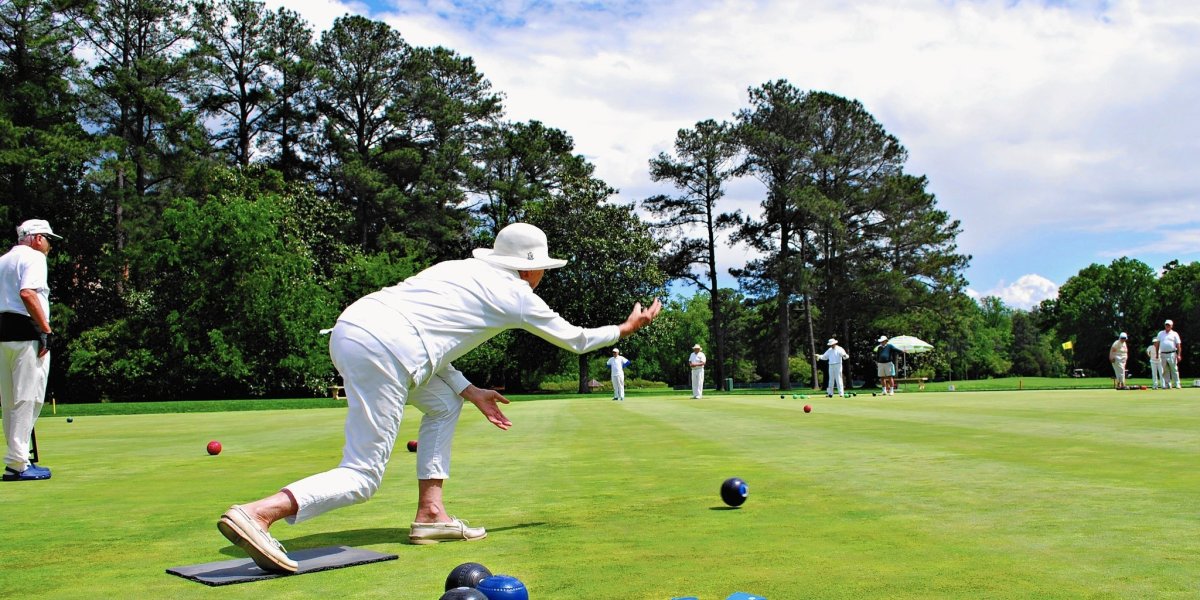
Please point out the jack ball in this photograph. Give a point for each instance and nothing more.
(214, 447)
(503, 587)
(463, 593)
(467, 575)
(412, 445)
(807, 408)
(734, 491)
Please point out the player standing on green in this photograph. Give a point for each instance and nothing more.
(885, 365)
(394, 347)
(24, 344)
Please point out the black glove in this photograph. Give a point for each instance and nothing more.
(44, 340)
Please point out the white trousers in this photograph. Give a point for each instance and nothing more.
(22, 393)
(1156, 377)
(698, 382)
(618, 381)
(835, 377)
(377, 390)
(1170, 370)
(1119, 370)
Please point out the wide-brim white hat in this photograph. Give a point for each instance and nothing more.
(520, 246)
(831, 342)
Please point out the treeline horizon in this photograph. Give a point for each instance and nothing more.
(227, 180)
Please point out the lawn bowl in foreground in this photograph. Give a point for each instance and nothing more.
(503, 587)
(463, 593)
(467, 575)
(214, 447)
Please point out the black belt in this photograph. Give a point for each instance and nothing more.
(1169, 352)
(16, 327)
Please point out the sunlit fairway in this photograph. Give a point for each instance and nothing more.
(1029, 494)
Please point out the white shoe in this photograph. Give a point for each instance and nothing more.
(455, 530)
(241, 529)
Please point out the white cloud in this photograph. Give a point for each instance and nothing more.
(1025, 293)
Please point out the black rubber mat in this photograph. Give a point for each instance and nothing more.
(242, 570)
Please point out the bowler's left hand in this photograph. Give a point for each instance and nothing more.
(486, 401)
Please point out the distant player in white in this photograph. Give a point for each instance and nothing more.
(1155, 364)
(1118, 355)
(1170, 348)
(835, 355)
(696, 361)
(617, 365)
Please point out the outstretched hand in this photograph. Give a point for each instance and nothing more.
(640, 317)
(486, 401)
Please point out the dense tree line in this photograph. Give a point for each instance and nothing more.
(228, 180)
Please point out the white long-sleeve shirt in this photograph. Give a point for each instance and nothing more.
(835, 355)
(457, 305)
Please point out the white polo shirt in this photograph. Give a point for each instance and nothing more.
(23, 268)
(457, 305)
(1168, 343)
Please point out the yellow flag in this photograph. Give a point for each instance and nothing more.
(1068, 345)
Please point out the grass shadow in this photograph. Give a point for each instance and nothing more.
(724, 508)
(354, 537)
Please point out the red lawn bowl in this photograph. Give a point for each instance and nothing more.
(214, 447)
(807, 408)
(412, 445)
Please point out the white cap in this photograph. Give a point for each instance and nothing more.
(1168, 322)
(34, 227)
(520, 246)
(1124, 335)
(696, 347)
(615, 350)
(831, 342)
(882, 338)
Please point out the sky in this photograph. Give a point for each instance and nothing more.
(1061, 133)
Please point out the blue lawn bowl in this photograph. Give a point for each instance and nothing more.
(463, 593)
(734, 491)
(745, 596)
(503, 587)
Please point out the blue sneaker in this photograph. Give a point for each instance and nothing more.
(29, 474)
(39, 469)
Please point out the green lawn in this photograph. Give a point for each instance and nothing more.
(1029, 494)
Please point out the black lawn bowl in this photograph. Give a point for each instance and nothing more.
(467, 575)
(734, 491)
(463, 593)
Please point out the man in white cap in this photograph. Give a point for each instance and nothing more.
(24, 344)
(616, 365)
(835, 355)
(1170, 350)
(696, 361)
(394, 347)
(1155, 364)
(1118, 354)
(885, 365)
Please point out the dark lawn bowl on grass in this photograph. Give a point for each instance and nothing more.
(467, 575)
(734, 491)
